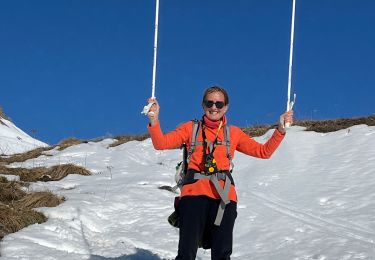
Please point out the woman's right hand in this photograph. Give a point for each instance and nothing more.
(153, 114)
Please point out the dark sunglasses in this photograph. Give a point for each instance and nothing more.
(210, 103)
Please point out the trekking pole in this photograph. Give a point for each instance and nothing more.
(146, 109)
(290, 104)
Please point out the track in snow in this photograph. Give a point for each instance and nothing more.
(342, 229)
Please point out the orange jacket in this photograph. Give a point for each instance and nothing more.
(238, 141)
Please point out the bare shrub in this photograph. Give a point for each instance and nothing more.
(127, 138)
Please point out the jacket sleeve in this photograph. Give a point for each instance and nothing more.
(249, 146)
(171, 140)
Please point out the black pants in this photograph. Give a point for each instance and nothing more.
(197, 216)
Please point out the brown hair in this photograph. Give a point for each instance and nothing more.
(216, 89)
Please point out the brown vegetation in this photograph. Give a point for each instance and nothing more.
(2, 115)
(69, 142)
(10, 191)
(16, 206)
(39, 199)
(257, 130)
(54, 173)
(13, 219)
(127, 138)
(323, 126)
(21, 157)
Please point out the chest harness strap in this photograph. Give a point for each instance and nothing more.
(211, 171)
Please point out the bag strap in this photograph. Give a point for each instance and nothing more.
(194, 141)
(214, 178)
(194, 138)
(227, 144)
(223, 192)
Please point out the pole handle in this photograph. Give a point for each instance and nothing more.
(146, 109)
(290, 107)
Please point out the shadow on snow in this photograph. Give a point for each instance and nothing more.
(141, 254)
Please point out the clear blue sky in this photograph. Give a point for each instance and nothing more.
(83, 68)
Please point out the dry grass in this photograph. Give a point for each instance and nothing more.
(54, 173)
(323, 126)
(10, 191)
(58, 172)
(14, 219)
(127, 138)
(258, 130)
(21, 157)
(39, 199)
(2, 115)
(16, 206)
(69, 142)
(326, 126)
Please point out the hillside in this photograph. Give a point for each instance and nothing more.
(314, 199)
(14, 140)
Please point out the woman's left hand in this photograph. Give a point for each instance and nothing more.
(285, 118)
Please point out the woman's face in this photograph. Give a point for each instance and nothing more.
(214, 113)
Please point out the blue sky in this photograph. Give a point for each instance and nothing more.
(83, 68)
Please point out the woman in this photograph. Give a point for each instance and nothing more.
(201, 199)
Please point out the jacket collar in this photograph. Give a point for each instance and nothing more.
(213, 124)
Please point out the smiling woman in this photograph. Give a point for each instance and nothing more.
(207, 207)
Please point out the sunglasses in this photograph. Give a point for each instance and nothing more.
(210, 103)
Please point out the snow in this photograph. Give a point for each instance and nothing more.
(13, 140)
(314, 199)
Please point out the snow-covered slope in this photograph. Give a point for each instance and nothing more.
(314, 199)
(14, 140)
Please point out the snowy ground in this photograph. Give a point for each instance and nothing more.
(314, 199)
(14, 140)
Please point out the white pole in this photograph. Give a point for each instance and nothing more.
(146, 108)
(155, 49)
(289, 105)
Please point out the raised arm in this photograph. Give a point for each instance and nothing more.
(171, 140)
(251, 147)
